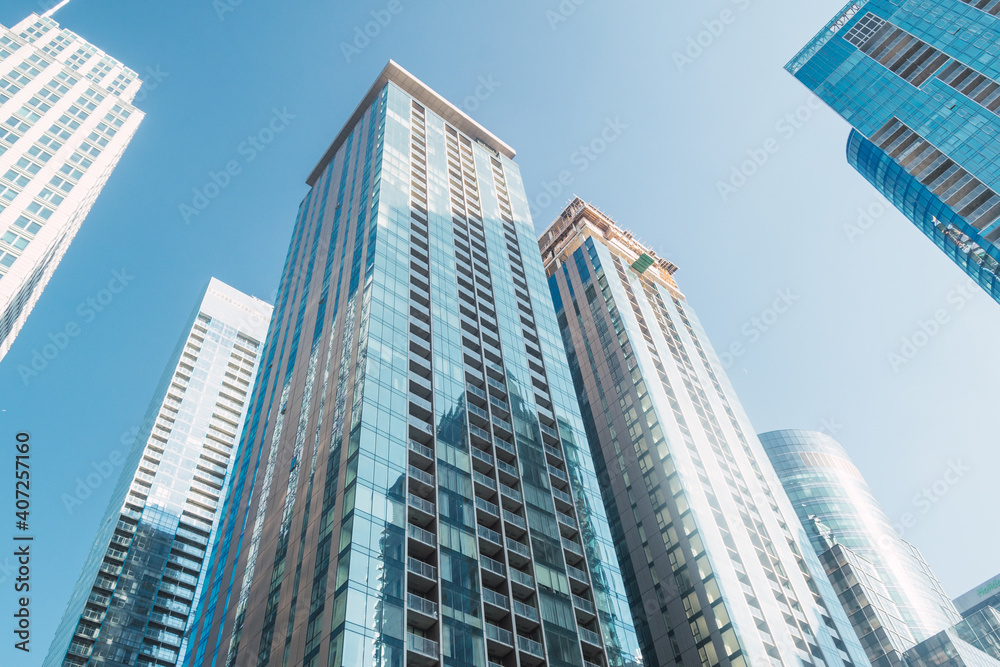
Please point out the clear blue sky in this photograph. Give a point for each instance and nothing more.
(823, 363)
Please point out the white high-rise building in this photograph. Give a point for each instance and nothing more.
(140, 583)
(65, 120)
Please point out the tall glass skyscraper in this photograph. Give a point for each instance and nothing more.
(414, 486)
(67, 118)
(718, 568)
(134, 600)
(825, 486)
(920, 83)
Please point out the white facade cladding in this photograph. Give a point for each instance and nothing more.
(718, 569)
(142, 578)
(65, 120)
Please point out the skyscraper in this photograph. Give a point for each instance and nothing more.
(717, 566)
(414, 485)
(134, 599)
(826, 487)
(68, 117)
(920, 83)
(987, 594)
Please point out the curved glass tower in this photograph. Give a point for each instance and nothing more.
(824, 485)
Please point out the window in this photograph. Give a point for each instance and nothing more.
(12, 239)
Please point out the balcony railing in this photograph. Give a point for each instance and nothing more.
(488, 482)
(517, 548)
(522, 578)
(531, 647)
(562, 495)
(526, 611)
(583, 604)
(482, 456)
(514, 519)
(475, 430)
(572, 547)
(423, 450)
(488, 507)
(422, 645)
(589, 636)
(577, 573)
(510, 492)
(421, 535)
(421, 568)
(507, 468)
(549, 431)
(496, 599)
(505, 446)
(421, 476)
(499, 635)
(490, 535)
(419, 503)
(490, 565)
(422, 605)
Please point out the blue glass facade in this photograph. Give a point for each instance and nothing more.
(135, 598)
(920, 83)
(414, 485)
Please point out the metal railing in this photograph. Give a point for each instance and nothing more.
(422, 605)
(526, 611)
(531, 647)
(498, 634)
(496, 599)
(490, 565)
(421, 535)
(421, 504)
(425, 570)
(422, 645)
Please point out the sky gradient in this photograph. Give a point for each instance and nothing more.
(549, 82)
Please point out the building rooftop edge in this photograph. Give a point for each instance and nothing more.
(249, 300)
(36, 16)
(560, 238)
(427, 96)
